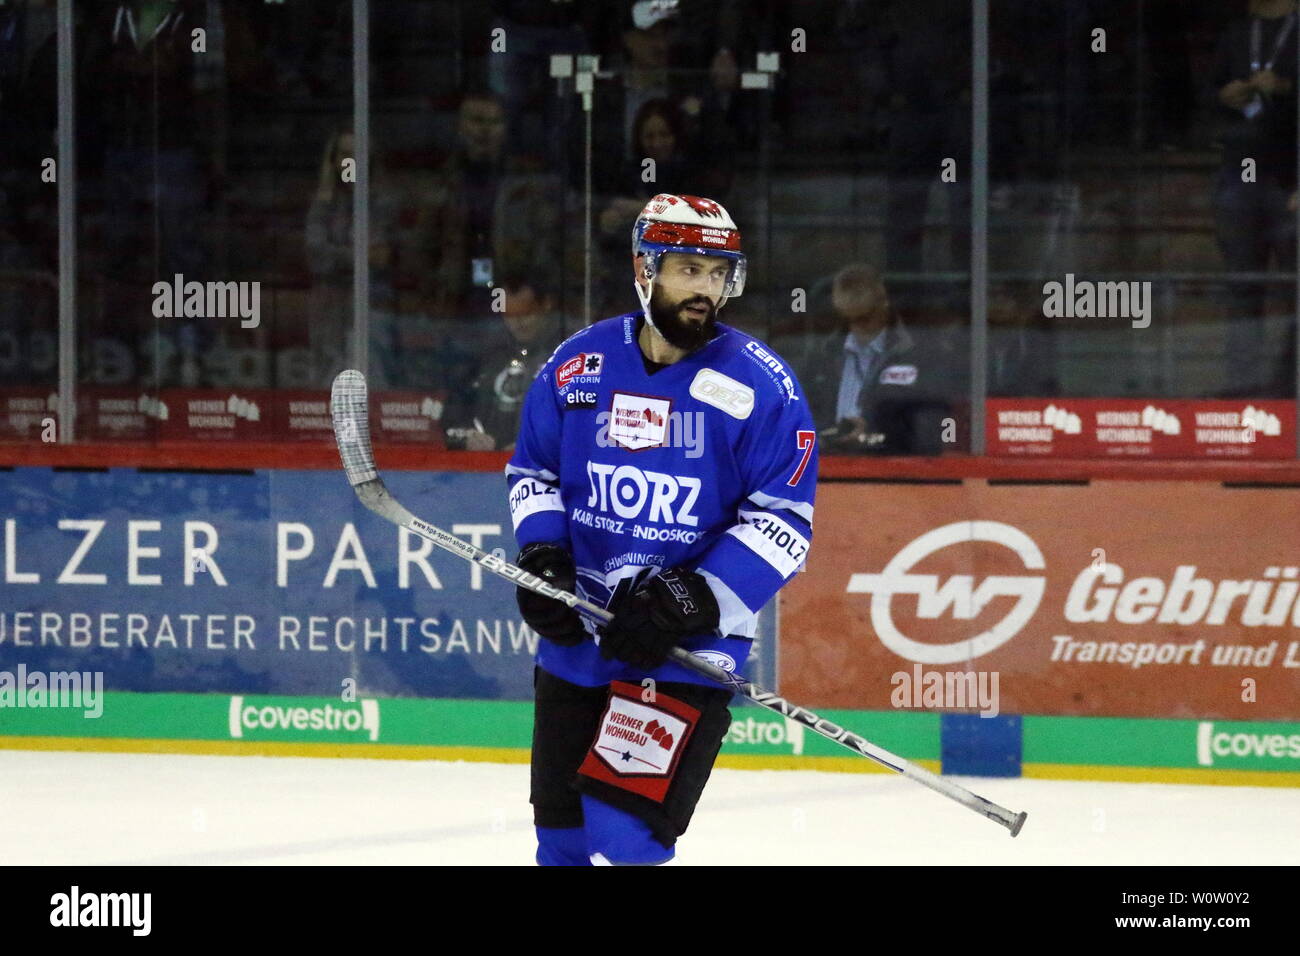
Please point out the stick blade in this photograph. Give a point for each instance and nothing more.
(349, 409)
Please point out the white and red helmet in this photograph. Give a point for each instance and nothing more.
(687, 224)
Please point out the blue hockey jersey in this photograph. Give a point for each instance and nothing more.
(709, 463)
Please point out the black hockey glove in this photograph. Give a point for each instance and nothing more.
(670, 606)
(550, 618)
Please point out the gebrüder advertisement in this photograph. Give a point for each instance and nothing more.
(1147, 599)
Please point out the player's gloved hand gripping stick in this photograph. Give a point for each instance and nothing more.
(553, 621)
(651, 621)
(349, 409)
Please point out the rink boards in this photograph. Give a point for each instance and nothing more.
(266, 612)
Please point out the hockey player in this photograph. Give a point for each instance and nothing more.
(665, 469)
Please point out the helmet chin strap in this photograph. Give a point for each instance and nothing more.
(644, 296)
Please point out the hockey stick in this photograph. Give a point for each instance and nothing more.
(349, 409)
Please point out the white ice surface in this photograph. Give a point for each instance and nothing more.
(96, 808)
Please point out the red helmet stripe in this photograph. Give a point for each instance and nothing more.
(677, 234)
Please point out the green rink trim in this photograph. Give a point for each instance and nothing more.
(423, 722)
(755, 730)
(1148, 742)
(401, 721)
(756, 734)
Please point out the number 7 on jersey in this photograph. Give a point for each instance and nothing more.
(804, 439)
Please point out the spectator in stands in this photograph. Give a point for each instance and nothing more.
(487, 385)
(484, 210)
(894, 384)
(146, 109)
(1255, 77)
(659, 132)
(929, 80)
(811, 338)
(660, 58)
(28, 214)
(659, 135)
(329, 258)
(1022, 345)
(536, 30)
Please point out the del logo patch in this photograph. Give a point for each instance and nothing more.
(638, 421)
(580, 366)
(724, 392)
(639, 742)
(898, 375)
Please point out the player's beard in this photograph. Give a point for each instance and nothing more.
(677, 330)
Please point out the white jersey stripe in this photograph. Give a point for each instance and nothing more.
(802, 508)
(531, 473)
